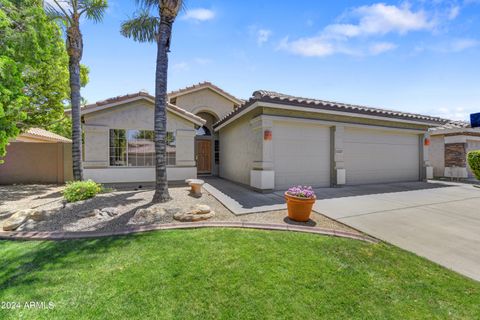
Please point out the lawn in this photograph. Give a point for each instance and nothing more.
(226, 273)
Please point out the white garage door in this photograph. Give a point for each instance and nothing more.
(302, 155)
(375, 156)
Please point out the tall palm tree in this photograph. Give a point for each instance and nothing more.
(69, 13)
(145, 27)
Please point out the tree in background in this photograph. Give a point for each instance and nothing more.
(147, 28)
(69, 13)
(33, 69)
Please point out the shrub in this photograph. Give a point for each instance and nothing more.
(473, 159)
(81, 190)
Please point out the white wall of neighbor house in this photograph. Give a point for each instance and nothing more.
(137, 115)
(205, 99)
(437, 155)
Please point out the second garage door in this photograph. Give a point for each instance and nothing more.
(302, 155)
(376, 156)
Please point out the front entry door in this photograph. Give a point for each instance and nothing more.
(204, 156)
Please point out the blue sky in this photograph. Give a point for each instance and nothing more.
(417, 56)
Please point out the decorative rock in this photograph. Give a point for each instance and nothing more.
(110, 211)
(89, 213)
(16, 220)
(200, 209)
(190, 217)
(38, 215)
(148, 215)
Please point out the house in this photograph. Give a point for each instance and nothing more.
(449, 147)
(37, 156)
(271, 141)
(119, 135)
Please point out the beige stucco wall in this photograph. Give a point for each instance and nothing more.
(138, 115)
(205, 100)
(239, 148)
(437, 155)
(29, 162)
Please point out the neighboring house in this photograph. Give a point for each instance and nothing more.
(270, 142)
(37, 156)
(449, 147)
(119, 135)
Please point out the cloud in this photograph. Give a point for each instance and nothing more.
(381, 47)
(199, 14)
(263, 35)
(375, 20)
(454, 113)
(453, 12)
(202, 61)
(462, 44)
(380, 19)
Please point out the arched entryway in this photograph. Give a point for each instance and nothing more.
(207, 145)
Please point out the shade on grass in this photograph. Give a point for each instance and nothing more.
(226, 273)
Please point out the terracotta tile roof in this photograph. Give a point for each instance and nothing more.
(205, 84)
(119, 99)
(453, 125)
(279, 98)
(44, 135)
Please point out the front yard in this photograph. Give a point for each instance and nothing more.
(233, 274)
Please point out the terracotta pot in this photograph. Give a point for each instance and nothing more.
(299, 209)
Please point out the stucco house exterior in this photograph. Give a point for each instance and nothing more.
(449, 147)
(271, 141)
(37, 156)
(119, 135)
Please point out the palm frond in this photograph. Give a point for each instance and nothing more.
(57, 10)
(142, 28)
(93, 9)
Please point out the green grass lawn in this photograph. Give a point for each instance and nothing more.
(226, 273)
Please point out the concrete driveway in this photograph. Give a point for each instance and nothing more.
(441, 224)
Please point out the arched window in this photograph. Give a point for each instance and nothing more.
(203, 131)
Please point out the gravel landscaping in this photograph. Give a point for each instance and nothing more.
(118, 209)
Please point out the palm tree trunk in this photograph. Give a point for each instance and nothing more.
(163, 43)
(75, 49)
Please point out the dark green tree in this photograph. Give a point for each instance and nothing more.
(33, 69)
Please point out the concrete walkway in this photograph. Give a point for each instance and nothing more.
(439, 221)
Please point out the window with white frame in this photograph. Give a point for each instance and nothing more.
(136, 148)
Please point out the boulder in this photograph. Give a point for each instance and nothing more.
(17, 219)
(193, 217)
(149, 215)
(111, 211)
(200, 209)
(38, 215)
(89, 213)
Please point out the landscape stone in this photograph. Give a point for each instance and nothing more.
(111, 211)
(201, 209)
(16, 220)
(191, 217)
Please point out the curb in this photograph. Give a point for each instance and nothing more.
(58, 235)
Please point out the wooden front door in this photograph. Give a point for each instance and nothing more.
(204, 156)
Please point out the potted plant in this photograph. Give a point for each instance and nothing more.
(300, 201)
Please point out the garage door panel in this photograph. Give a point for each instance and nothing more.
(302, 155)
(376, 156)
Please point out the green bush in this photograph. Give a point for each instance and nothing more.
(473, 159)
(81, 190)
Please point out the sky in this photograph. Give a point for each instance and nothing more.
(416, 56)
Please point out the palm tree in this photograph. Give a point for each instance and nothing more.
(147, 28)
(69, 13)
